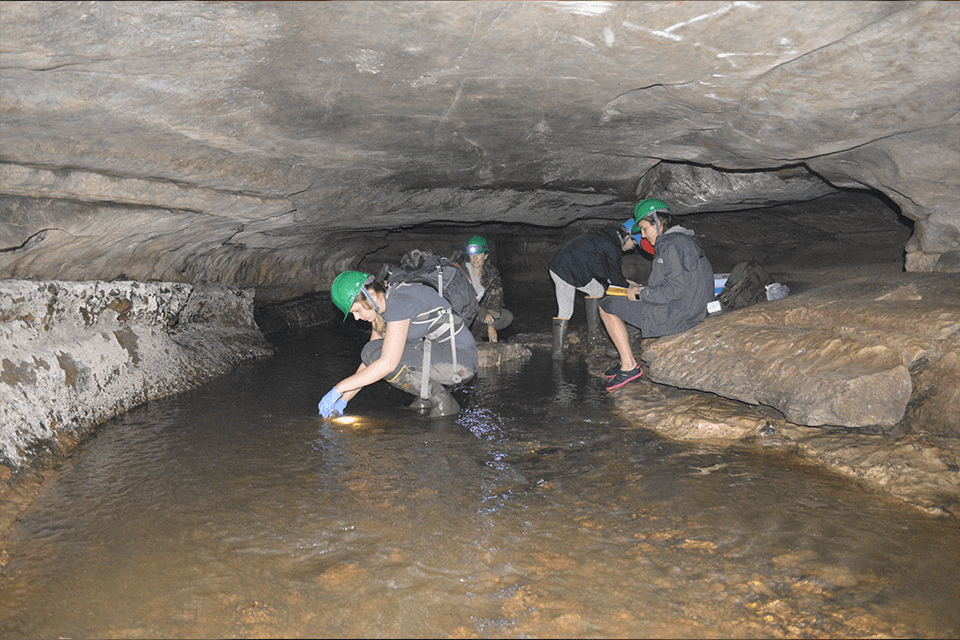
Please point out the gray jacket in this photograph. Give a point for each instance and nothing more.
(680, 285)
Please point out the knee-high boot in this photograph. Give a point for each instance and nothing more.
(559, 336)
(440, 402)
(595, 332)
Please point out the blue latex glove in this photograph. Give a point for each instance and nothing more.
(340, 406)
(328, 406)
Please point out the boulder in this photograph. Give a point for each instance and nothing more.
(852, 354)
(494, 354)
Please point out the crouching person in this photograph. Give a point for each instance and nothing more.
(675, 298)
(403, 318)
(485, 278)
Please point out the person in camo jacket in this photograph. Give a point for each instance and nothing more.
(491, 316)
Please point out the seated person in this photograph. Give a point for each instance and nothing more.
(675, 298)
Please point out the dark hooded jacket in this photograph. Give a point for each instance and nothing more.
(597, 255)
(680, 285)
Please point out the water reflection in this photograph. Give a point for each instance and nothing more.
(235, 511)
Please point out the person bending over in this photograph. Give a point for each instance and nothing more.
(587, 263)
(403, 316)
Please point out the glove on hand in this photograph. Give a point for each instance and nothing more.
(330, 404)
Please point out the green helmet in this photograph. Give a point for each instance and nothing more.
(645, 208)
(346, 288)
(476, 244)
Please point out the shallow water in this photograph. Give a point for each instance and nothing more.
(233, 510)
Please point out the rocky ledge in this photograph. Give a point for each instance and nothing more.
(861, 376)
(854, 354)
(73, 354)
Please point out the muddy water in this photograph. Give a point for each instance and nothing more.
(234, 511)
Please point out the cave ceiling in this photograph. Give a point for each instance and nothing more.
(273, 144)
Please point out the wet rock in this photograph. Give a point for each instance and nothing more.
(814, 377)
(841, 354)
(794, 558)
(533, 339)
(493, 354)
(920, 469)
(78, 353)
(834, 575)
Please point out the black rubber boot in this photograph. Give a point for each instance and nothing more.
(559, 336)
(421, 404)
(595, 331)
(409, 380)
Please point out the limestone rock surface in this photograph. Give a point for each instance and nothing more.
(854, 354)
(920, 468)
(73, 354)
(495, 354)
(274, 144)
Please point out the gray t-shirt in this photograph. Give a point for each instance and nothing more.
(420, 304)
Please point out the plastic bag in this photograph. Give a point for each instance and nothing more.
(777, 291)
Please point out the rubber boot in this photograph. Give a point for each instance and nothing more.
(421, 404)
(409, 380)
(559, 336)
(595, 332)
(442, 401)
(438, 402)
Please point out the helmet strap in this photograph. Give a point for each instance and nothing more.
(369, 297)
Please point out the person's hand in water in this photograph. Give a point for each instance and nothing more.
(332, 404)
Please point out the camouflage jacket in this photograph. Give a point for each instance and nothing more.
(492, 300)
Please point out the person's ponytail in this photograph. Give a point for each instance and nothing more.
(379, 324)
(668, 220)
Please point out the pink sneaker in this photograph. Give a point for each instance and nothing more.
(623, 377)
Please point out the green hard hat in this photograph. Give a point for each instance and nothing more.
(645, 208)
(346, 288)
(476, 244)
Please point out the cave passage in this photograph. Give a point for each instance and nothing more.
(234, 511)
(802, 244)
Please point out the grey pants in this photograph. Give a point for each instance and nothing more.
(441, 365)
(566, 294)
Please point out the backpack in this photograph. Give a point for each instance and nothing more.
(746, 285)
(423, 267)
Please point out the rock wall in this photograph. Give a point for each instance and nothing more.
(73, 354)
(856, 353)
(272, 144)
